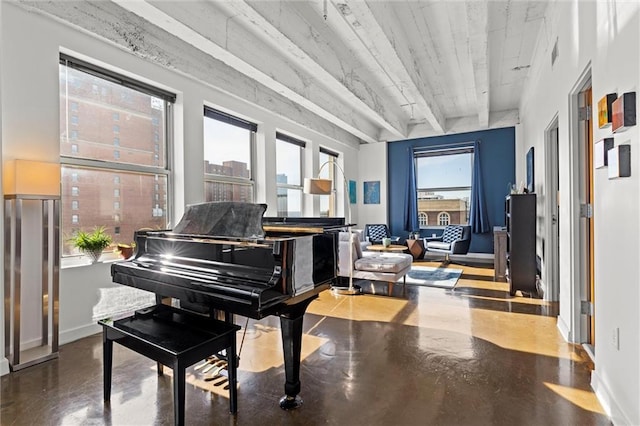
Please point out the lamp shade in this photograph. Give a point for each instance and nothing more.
(317, 186)
(25, 177)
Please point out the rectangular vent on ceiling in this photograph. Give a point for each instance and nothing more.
(554, 53)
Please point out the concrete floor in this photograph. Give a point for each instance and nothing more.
(420, 356)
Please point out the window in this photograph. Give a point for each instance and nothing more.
(423, 219)
(103, 98)
(444, 185)
(228, 157)
(329, 160)
(289, 153)
(443, 218)
(74, 205)
(74, 148)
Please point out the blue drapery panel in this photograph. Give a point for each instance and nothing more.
(411, 196)
(479, 220)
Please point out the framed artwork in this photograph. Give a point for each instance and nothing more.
(619, 161)
(530, 171)
(605, 110)
(372, 192)
(352, 192)
(600, 157)
(624, 112)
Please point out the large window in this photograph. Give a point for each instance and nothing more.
(228, 157)
(289, 154)
(328, 202)
(103, 186)
(444, 186)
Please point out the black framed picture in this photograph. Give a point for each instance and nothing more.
(530, 171)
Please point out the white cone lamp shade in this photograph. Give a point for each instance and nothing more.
(32, 178)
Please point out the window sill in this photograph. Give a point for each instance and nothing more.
(76, 261)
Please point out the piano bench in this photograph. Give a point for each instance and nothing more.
(174, 338)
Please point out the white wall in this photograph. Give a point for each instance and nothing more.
(603, 37)
(29, 98)
(372, 163)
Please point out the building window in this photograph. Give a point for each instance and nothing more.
(74, 120)
(73, 106)
(74, 205)
(444, 219)
(96, 164)
(75, 219)
(289, 152)
(74, 148)
(444, 185)
(228, 157)
(423, 219)
(74, 135)
(328, 170)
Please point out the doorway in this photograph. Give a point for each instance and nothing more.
(551, 248)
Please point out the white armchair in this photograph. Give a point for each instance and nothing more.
(374, 266)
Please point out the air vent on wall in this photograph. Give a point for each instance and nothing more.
(554, 53)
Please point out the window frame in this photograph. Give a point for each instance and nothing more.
(333, 172)
(168, 99)
(281, 137)
(215, 114)
(438, 151)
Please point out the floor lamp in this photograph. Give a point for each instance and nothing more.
(31, 182)
(321, 186)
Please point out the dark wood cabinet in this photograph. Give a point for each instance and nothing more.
(520, 215)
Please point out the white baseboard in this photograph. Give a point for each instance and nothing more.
(608, 401)
(474, 257)
(4, 366)
(77, 333)
(565, 331)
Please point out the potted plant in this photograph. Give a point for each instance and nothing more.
(126, 250)
(92, 243)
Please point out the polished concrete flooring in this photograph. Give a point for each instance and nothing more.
(419, 356)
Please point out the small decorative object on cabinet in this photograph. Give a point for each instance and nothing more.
(520, 215)
(624, 112)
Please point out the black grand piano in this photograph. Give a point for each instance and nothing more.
(226, 257)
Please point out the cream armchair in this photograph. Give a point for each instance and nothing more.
(374, 266)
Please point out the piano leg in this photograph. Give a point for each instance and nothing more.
(291, 328)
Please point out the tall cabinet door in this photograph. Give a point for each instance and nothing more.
(520, 212)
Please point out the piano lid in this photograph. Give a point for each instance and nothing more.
(223, 219)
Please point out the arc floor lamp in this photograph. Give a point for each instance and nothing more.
(321, 186)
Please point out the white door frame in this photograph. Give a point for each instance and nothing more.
(577, 323)
(551, 247)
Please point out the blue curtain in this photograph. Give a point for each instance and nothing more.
(411, 196)
(479, 220)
